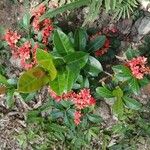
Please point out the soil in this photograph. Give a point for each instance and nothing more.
(11, 122)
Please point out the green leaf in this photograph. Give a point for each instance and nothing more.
(45, 60)
(32, 80)
(94, 118)
(62, 43)
(122, 73)
(131, 53)
(143, 82)
(71, 75)
(65, 80)
(70, 6)
(58, 85)
(107, 5)
(133, 83)
(118, 107)
(10, 98)
(26, 21)
(132, 103)
(3, 80)
(97, 43)
(80, 58)
(118, 92)
(80, 38)
(104, 92)
(93, 66)
(113, 4)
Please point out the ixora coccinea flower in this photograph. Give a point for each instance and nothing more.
(25, 52)
(138, 67)
(105, 47)
(81, 100)
(77, 117)
(44, 26)
(12, 38)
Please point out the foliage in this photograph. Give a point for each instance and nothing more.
(62, 67)
(120, 8)
(54, 122)
(68, 64)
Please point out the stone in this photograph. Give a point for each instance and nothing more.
(145, 5)
(124, 26)
(144, 27)
(140, 28)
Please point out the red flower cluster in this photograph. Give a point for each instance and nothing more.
(45, 26)
(12, 38)
(104, 49)
(64, 96)
(77, 117)
(81, 100)
(138, 67)
(24, 52)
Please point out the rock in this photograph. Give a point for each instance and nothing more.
(104, 110)
(124, 26)
(145, 4)
(144, 27)
(140, 28)
(15, 62)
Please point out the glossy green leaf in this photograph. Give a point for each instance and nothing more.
(132, 103)
(65, 80)
(58, 85)
(10, 98)
(118, 92)
(133, 83)
(94, 118)
(104, 92)
(3, 80)
(62, 43)
(32, 80)
(107, 5)
(71, 76)
(118, 107)
(93, 66)
(122, 73)
(70, 6)
(131, 53)
(76, 58)
(45, 60)
(80, 38)
(26, 21)
(97, 43)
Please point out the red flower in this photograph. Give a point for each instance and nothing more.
(36, 24)
(104, 49)
(138, 66)
(46, 32)
(12, 38)
(39, 11)
(54, 95)
(45, 26)
(83, 99)
(77, 117)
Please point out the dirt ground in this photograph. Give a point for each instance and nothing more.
(12, 122)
